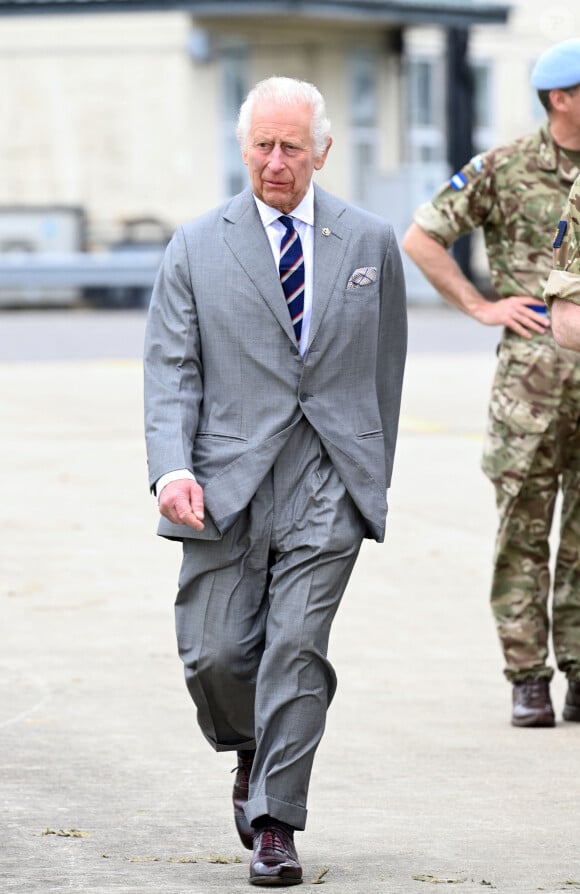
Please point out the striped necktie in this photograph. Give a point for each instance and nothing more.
(292, 274)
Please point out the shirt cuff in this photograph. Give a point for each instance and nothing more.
(177, 475)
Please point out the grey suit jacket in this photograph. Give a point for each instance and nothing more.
(225, 383)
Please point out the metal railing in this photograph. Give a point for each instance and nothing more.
(43, 278)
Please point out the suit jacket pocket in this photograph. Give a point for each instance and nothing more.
(362, 293)
(220, 437)
(374, 433)
(213, 451)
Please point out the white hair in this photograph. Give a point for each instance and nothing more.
(287, 91)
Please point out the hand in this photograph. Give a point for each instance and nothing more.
(181, 502)
(516, 313)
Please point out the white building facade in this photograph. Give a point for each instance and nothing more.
(131, 115)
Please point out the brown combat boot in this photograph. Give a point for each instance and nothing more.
(532, 705)
(572, 704)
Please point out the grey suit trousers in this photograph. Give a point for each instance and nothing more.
(253, 618)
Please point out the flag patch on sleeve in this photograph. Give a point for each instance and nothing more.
(458, 181)
(560, 233)
(477, 162)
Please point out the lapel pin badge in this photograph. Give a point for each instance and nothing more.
(325, 231)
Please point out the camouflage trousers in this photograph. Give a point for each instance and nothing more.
(531, 453)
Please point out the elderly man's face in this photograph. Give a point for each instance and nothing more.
(280, 154)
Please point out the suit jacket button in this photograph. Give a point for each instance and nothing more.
(294, 350)
(304, 396)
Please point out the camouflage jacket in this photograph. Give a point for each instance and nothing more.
(564, 280)
(516, 194)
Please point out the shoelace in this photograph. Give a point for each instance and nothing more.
(272, 838)
(244, 764)
(246, 767)
(536, 690)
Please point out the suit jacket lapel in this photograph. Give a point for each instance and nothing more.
(247, 239)
(329, 251)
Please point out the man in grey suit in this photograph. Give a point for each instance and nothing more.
(274, 357)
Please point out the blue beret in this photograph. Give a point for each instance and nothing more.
(558, 67)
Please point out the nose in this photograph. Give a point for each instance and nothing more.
(276, 159)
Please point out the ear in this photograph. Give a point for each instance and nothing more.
(559, 100)
(245, 156)
(320, 159)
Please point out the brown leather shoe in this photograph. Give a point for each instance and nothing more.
(572, 704)
(240, 797)
(532, 705)
(275, 861)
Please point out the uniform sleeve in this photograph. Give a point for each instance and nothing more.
(462, 204)
(564, 279)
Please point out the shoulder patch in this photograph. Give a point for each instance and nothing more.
(560, 233)
(458, 181)
(477, 162)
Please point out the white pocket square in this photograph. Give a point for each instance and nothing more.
(362, 276)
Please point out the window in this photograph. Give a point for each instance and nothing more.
(538, 113)
(426, 105)
(363, 120)
(234, 91)
(482, 107)
(426, 111)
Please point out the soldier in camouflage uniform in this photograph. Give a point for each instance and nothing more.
(562, 295)
(516, 194)
(562, 291)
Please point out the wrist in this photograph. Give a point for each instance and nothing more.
(175, 475)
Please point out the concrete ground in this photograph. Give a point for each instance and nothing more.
(107, 785)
